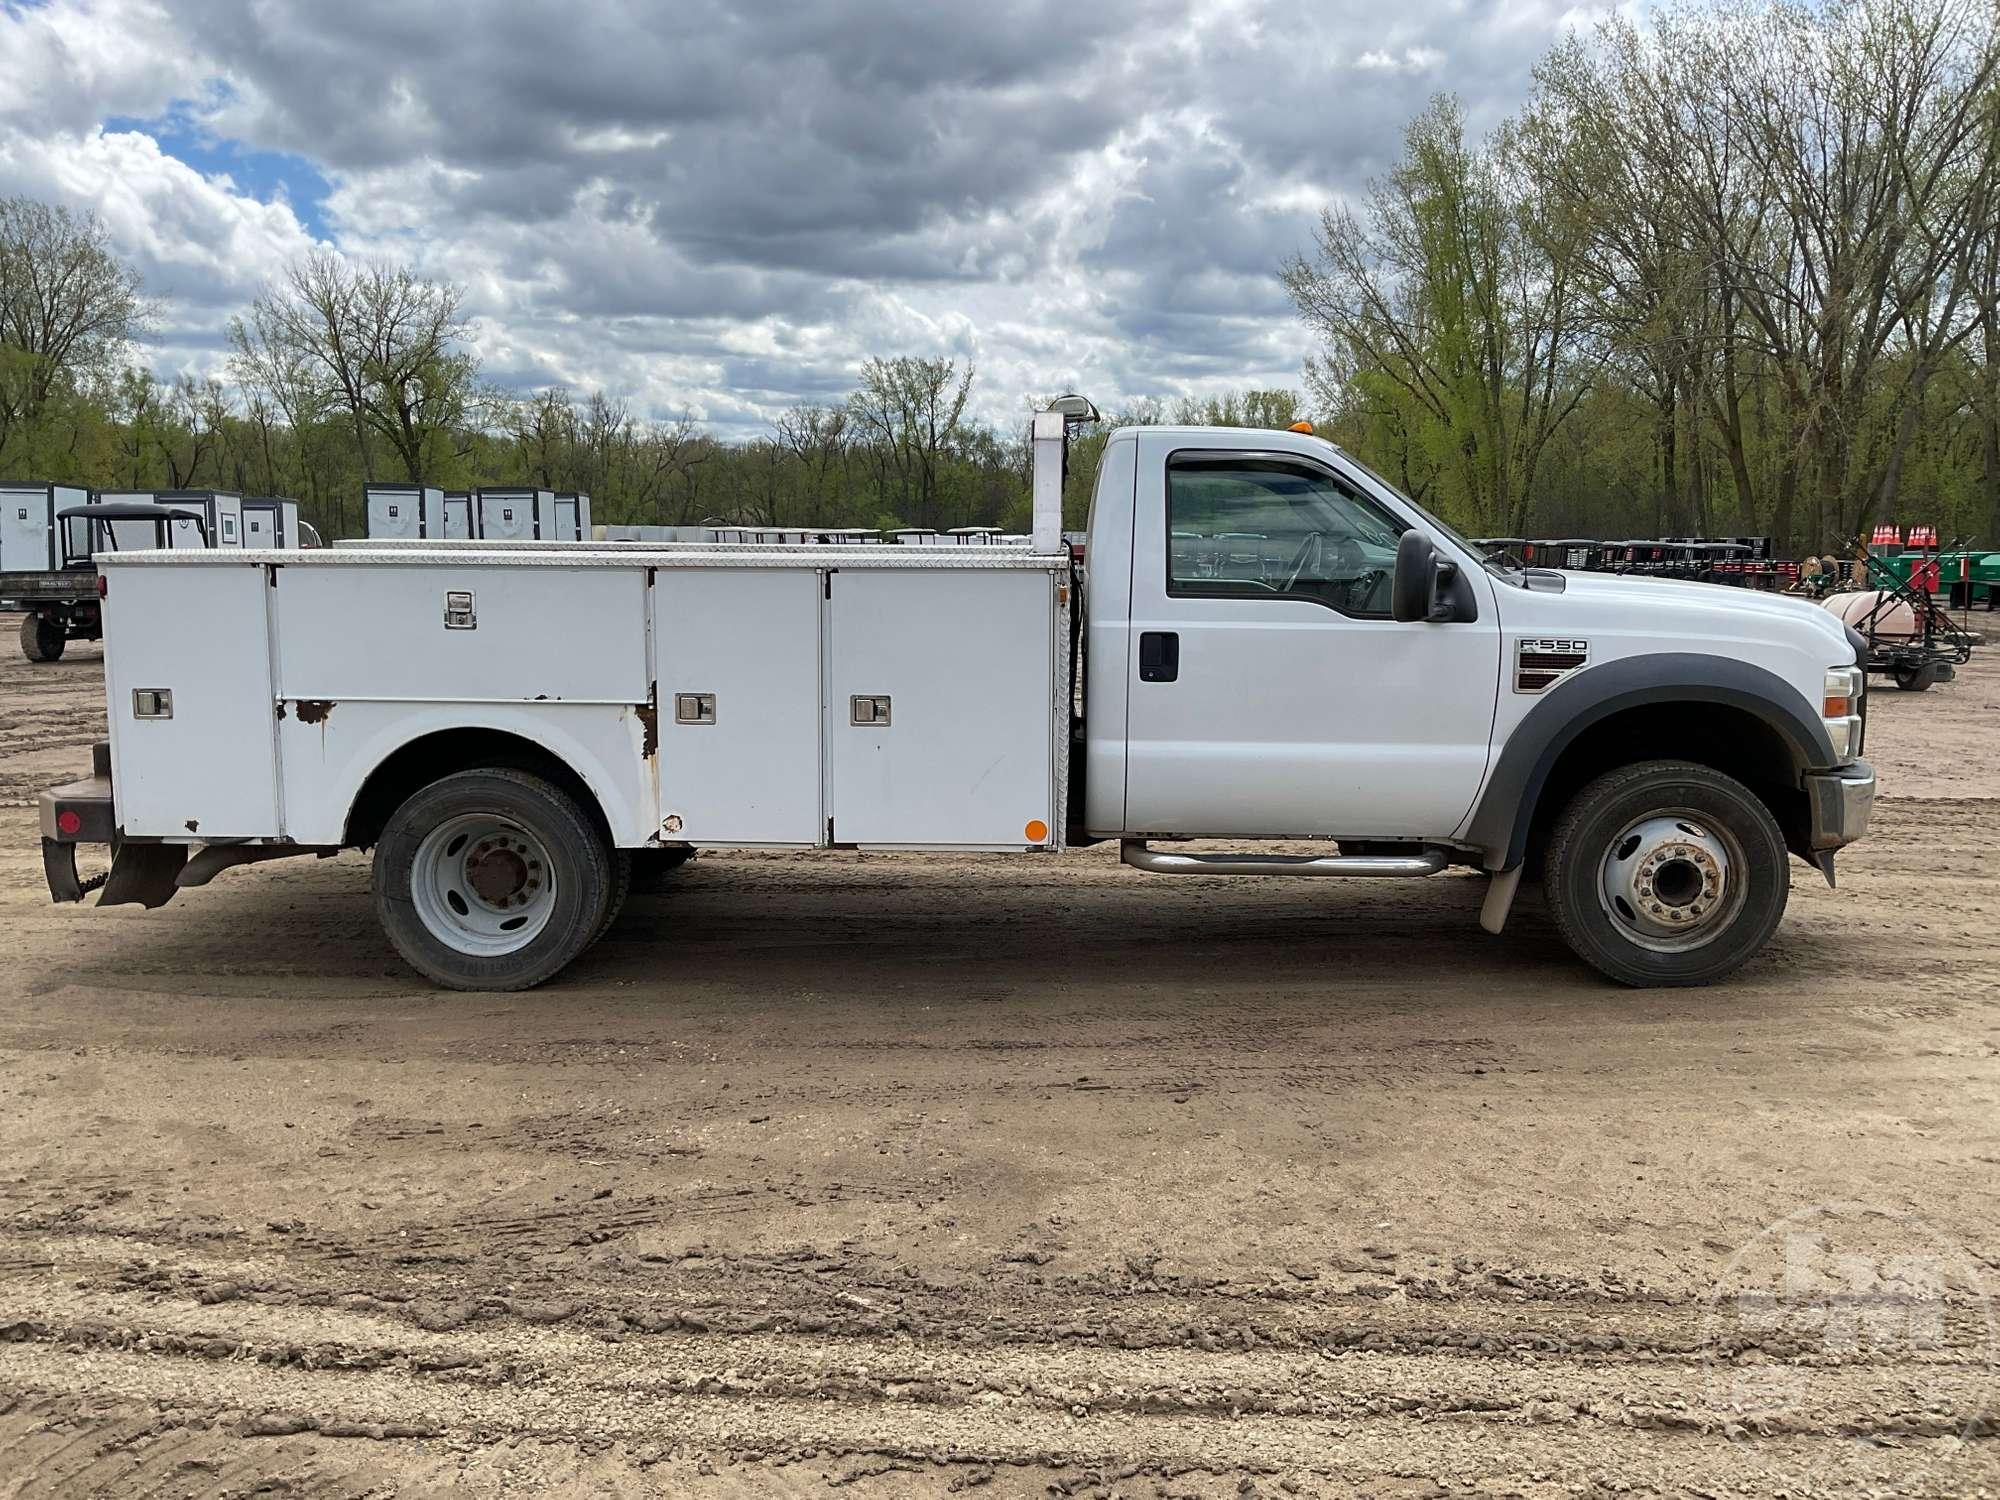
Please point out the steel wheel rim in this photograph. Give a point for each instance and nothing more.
(483, 885)
(1671, 881)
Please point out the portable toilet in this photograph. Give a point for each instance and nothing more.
(31, 538)
(515, 515)
(458, 516)
(220, 524)
(270, 522)
(572, 512)
(409, 512)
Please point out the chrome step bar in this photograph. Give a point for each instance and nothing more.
(1135, 853)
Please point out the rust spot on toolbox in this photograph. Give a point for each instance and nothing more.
(314, 710)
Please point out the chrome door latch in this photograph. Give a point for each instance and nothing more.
(458, 613)
(868, 708)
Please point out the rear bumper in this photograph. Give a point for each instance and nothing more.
(79, 812)
(1840, 802)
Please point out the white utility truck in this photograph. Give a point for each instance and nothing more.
(1262, 642)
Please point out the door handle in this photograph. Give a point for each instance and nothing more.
(1159, 656)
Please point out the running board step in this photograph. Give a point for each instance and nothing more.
(1135, 853)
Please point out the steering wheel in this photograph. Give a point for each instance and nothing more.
(1362, 587)
(1347, 556)
(1309, 548)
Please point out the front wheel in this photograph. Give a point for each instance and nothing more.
(1666, 873)
(492, 880)
(1915, 679)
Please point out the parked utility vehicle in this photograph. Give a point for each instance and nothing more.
(1274, 645)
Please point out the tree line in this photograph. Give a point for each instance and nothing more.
(340, 373)
(1732, 270)
(1728, 270)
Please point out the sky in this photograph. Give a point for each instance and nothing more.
(721, 208)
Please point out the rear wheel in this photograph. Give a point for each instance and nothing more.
(1915, 679)
(1666, 873)
(42, 639)
(492, 880)
(621, 887)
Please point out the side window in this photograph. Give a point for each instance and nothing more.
(1257, 528)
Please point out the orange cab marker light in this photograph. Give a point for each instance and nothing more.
(1037, 831)
(1305, 427)
(1835, 708)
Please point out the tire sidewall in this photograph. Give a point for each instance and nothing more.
(40, 640)
(1610, 805)
(578, 857)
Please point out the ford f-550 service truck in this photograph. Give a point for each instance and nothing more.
(1263, 641)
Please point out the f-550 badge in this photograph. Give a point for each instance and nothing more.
(1539, 661)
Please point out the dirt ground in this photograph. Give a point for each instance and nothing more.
(907, 1176)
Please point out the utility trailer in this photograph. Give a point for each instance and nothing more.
(514, 728)
(1914, 658)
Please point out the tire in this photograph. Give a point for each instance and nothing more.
(1915, 679)
(621, 887)
(1644, 837)
(492, 879)
(652, 869)
(41, 639)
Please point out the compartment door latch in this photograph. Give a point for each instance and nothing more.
(868, 708)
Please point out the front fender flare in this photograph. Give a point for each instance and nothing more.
(1506, 808)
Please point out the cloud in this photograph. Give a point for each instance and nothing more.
(725, 206)
(203, 248)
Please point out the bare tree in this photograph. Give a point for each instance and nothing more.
(383, 342)
(910, 411)
(69, 310)
(1451, 297)
(817, 437)
(543, 427)
(1831, 168)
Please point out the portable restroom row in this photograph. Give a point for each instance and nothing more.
(227, 520)
(412, 512)
(34, 537)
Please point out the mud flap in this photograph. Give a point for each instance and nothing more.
(59, 869)
(1499, 902)
(143, 874)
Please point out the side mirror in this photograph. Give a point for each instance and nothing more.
(1414, 586)
(1427, 587)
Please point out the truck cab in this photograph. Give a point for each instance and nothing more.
(1282, 646)
(1262, 643)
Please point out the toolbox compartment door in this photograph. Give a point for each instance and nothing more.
(739, 704)
(966, 660)
(203, 764)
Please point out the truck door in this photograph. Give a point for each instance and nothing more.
(1271, 692)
